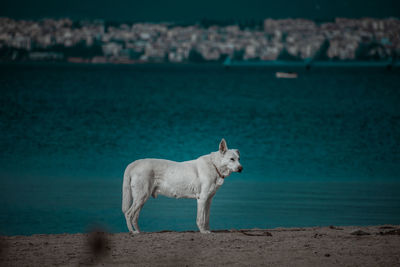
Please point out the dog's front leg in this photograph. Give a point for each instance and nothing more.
(202, 215)
(208, 207)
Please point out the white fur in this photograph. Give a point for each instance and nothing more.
(199, 179)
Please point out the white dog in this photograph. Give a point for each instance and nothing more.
(199, 178)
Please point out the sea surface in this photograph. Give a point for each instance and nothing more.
(323, 149)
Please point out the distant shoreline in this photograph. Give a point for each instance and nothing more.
(235, 64)
(313, 246)
(268, 40)
(312, 64)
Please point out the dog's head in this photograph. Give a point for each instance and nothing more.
(229, 159)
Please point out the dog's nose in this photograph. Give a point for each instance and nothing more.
(240, 169)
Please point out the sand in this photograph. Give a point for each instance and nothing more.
(317, 246)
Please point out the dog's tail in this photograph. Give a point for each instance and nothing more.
(126, 192)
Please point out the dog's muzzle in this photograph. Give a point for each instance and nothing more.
(240, 169)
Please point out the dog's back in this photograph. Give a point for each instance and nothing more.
(159, 176)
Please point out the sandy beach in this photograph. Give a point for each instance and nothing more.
(316, 246)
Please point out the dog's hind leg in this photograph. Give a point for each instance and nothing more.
(128, 209)
(132, 215)
(141, 191)
(139, 202)
(128, 218)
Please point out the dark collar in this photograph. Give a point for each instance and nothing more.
(219, 174)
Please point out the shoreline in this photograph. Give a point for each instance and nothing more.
(233, 64)
(310, 246)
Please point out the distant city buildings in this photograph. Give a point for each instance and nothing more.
(285, 39)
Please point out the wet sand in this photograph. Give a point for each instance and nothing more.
(316, 246)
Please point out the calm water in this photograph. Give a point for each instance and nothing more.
(322, 149)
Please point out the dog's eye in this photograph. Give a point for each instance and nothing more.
(232, 159)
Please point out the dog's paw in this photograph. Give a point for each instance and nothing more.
(134, 233)
(205, 231)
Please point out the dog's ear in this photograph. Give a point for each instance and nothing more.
(223, 147)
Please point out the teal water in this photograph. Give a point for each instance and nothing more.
(323, 149)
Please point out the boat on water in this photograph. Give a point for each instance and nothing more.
(286, 75)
